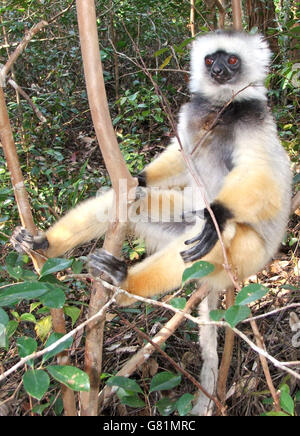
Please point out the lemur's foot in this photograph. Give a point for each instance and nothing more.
(110, 268)
(101, 262)
(23, 241)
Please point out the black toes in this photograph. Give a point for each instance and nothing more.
(103, 263)
(21, 240)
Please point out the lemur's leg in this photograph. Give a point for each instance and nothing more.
(87, 221)
(162, 271)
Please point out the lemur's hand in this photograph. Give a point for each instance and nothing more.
(23, 241)
(208, 236)
(110, 268)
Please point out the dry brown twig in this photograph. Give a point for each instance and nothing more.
(118, 171)
(28, 99)
(179, 368)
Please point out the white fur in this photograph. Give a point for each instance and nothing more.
(254, 54)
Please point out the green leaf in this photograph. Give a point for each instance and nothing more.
(165, 63)
(197, 270)
(184, 404)
(53, 338)
(164, 381)
(55, 298)
(70, 376)
(15, 272)
(178, 303)
(73, 312)
(161, 51)
(39, 408)
(286, 401)
(166, 406)
(77, 266)
(3, 317)
(11, 328)
(123, 382)
(43, 327)
(132, 400)
(54, 265)
(28, 317)
(22, 291)
(235, 314)
(26, 346)
(36, 383)
(273, 413)
(217, 315)
(250, 293)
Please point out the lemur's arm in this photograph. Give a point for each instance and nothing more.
(249, 195)
(167, 170)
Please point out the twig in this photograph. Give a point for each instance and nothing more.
(160, 338)
(28, 99)
(51, 347)
(117, 170)
(20, 48)
(21, 196)
(220, 407)
(264, 363)
(227, 352)
(261, 351)
(272, 312)
(217, 117)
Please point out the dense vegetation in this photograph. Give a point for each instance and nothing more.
(62, 165)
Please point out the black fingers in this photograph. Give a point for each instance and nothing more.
(23, 241)
(208, 237)
(101, 262)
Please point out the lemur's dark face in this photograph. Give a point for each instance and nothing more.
(223, 67)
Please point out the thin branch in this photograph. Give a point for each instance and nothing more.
(221, 408)
(28, 99)
(17, 180)
(227, 352)
(118, 172)
(237, 15)
(21, 47)
(51, 347)
(264, 363)
(160, 338)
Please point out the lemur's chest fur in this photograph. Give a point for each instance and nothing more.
(210, 135)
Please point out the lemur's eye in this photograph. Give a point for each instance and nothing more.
(209, 61)
(232, 60)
